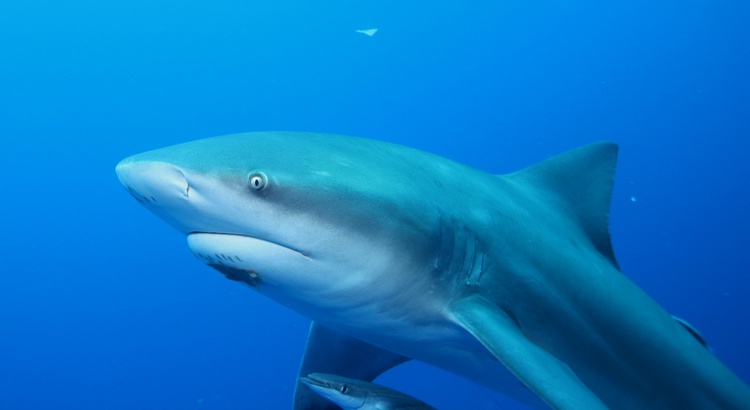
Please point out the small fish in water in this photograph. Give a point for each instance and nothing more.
(369, 32)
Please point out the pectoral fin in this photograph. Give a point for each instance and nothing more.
(551, 379)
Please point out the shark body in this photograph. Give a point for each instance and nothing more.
(398, 254)
(352, 394)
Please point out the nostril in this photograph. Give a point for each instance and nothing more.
(186, 193)
(155, 183)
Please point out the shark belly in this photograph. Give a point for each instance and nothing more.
(441, 344)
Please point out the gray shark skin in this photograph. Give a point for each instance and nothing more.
(397, 254)
(351, 394)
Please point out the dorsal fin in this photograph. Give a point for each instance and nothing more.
(583, 179)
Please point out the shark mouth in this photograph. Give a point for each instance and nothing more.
(239, 257)
(218, 252)
(326, 384)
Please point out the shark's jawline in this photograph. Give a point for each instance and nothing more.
(220, 234)
(242, 258)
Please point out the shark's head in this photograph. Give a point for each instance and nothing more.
(351, 394)
(308, 219)
(345, 392)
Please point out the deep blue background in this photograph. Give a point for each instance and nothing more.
(103, 306)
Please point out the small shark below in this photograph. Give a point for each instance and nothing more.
(398, 254)
(351, 394)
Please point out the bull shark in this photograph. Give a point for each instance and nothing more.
(352, 394)
(398, 254)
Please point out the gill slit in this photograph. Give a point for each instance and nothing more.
(461, 256)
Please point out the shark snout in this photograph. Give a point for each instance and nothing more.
(151, 182)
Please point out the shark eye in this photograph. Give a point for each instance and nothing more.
(258, 181)
(344, 389)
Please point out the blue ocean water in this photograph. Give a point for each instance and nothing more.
(103, 306)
